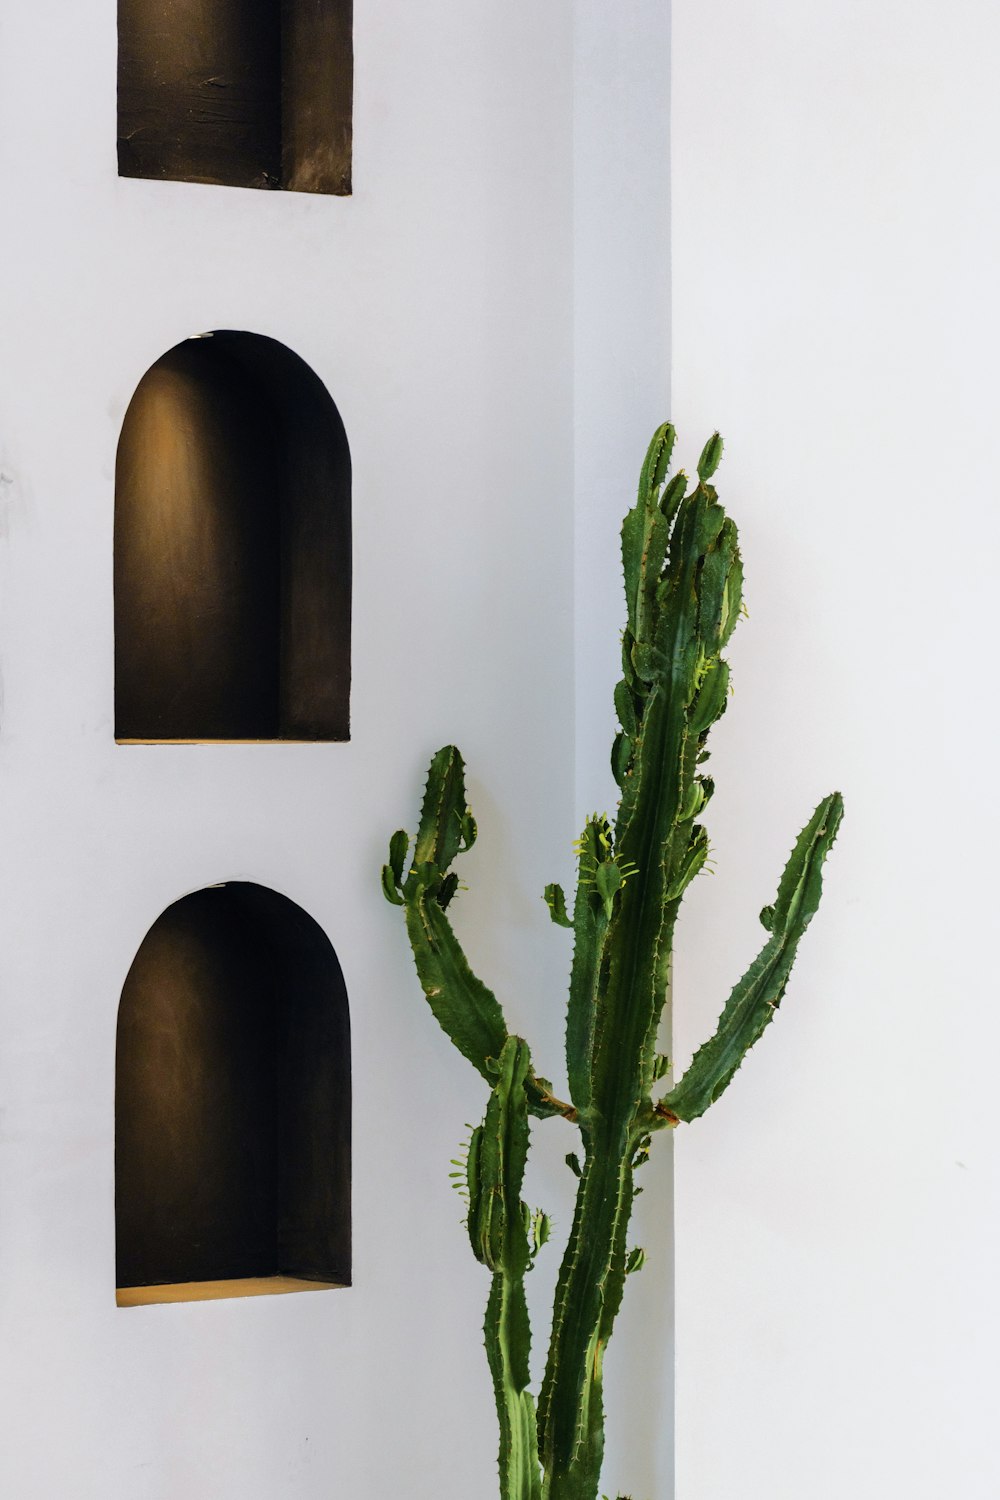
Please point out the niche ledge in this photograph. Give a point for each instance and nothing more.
(259, 740)
(217, 1291)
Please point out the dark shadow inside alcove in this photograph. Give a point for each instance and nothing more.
(232, 1103)
(247, 93)
(232, 566)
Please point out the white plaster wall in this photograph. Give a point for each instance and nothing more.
(436, 305)
(621, 208)
(836, 313)
(621, 290)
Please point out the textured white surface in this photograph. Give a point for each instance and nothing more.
(836, 235)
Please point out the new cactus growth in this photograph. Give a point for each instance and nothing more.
(683, 587)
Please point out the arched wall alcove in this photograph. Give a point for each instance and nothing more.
(247, 93)
(232, 1103)
(232, 565)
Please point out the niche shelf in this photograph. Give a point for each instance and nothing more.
(246, 93)
(232, 552)
(232, 1104)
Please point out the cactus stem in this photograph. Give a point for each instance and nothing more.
(559, 1107)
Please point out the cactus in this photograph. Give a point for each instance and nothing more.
(683, 586)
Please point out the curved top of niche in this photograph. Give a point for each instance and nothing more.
(232, 551)
(220, 91)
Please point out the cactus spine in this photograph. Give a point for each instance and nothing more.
(683, 586)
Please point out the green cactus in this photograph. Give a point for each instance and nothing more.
(683, 586)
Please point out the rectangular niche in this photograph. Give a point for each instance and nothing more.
(245, 93)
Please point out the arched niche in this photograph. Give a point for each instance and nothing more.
(248, 93)
(232, 566)
(232, 1103)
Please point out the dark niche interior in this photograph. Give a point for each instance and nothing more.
(232, 565)
(232, 1103)
(247, 93)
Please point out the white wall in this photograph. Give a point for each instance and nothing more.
(436, 305)
(621, 291)
(836, 313)
(621, 294)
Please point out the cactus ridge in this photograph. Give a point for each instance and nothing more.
(684, 595)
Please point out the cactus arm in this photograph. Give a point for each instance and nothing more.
(756, 997)
(447, 827)
(555, 900)
(498, 1230)
(464, 1008)
(467, 1011)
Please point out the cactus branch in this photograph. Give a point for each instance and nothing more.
(466, 1010)
(499, 1226)
(755, 999)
